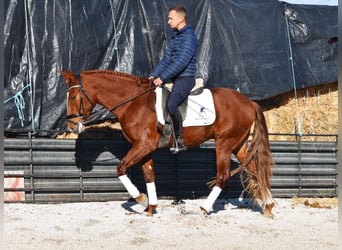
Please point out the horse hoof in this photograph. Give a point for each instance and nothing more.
(269, 215)
(150, 210)
(142, 200)
(203, 211)
(267, 212)
(138, 208)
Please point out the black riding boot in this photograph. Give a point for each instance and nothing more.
(178, 129)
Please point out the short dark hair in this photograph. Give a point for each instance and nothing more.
(179, 9)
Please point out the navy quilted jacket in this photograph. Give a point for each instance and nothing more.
(180, 57)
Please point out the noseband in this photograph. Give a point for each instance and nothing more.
(81, 113)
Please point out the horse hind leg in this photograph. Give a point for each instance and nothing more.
(263, 190)
(207, 206)
(252, 183)
(222, 178)
(268, 206)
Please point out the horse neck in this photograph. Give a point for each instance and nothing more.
(112, 92)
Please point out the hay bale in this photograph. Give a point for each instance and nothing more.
(314, 111)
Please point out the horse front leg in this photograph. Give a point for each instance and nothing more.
(133, 191)
(134, 156)
(149, 176)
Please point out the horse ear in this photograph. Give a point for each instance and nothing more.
(68, 76)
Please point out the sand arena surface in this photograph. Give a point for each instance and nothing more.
(234, 224)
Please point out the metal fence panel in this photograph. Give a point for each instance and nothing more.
(65, 170)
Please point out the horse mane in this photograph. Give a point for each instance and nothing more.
(111, 72)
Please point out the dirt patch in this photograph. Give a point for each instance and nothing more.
(317, 202)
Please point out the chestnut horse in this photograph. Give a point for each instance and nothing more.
(132, 100)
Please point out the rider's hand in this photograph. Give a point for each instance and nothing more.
(158, 82)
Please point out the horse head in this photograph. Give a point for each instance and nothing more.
(79, 105)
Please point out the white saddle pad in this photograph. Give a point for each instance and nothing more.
(200, 110)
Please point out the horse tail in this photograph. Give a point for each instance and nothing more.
(257, 181)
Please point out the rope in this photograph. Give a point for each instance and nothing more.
(20, 103)
(18, 97)
(299, 123)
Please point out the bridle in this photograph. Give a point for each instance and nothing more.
(81, 115)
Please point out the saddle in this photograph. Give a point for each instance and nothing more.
(197, 110)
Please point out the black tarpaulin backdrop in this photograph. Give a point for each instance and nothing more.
(244, 45)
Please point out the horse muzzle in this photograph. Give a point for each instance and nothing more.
(75, 127)
(78, 129)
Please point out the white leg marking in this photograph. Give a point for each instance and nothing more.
(209, 202)
(130, 187)
(152, 194)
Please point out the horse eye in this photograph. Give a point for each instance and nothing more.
(73, 97)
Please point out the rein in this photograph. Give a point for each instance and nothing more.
(81, 114)
(150, 88)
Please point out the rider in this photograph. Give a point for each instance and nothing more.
(178, 65)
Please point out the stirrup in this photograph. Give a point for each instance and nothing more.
(178, 146)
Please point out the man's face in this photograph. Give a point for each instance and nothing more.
(175, 20)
